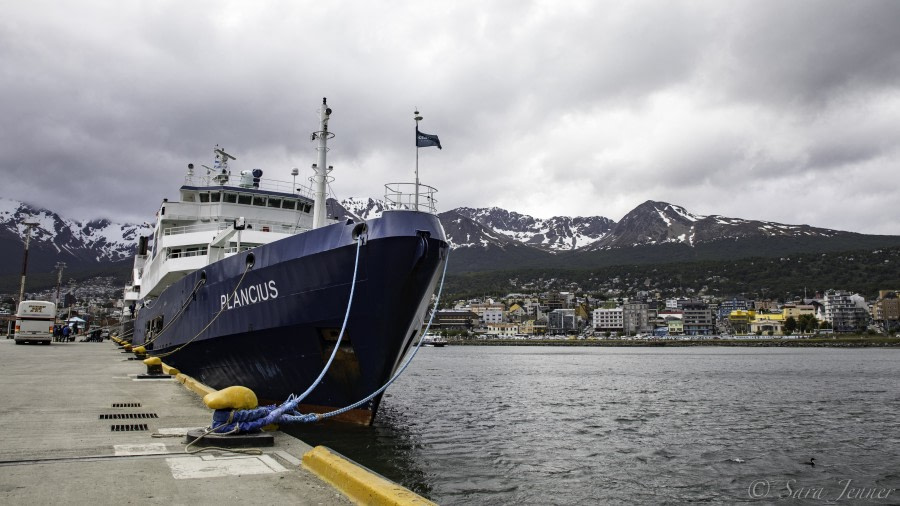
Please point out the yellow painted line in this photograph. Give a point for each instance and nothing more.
(360, 485)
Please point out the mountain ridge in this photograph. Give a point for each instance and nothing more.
(483, 239)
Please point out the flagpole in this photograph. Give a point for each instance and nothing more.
(417, 118)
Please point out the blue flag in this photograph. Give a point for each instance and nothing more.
(424, 140)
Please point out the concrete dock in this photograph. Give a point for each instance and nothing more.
(78, 427)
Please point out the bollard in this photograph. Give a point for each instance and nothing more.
(154, 366)
(224, 402)
(140, 353)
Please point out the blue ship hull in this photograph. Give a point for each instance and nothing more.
(276, 334)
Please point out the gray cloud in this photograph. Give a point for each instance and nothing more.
(543, 108)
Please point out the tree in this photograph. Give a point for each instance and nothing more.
(807, 323)
(790, 325)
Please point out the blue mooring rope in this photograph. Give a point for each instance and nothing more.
(253, 420)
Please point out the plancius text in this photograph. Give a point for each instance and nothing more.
(251, 295)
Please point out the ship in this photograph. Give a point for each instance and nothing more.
(247, 281)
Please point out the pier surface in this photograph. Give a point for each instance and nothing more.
(59, 405)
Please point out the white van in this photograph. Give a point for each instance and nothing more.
(34, 321)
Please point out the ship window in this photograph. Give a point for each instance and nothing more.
(259, 201)
(288, 204)
(231, 197)
(215, 196)
(274, 202)
(204, 197)
(306, 208)
(244, 199)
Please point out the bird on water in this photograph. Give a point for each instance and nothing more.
(812, 462)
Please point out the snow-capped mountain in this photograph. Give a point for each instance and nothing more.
(661, 223)
(356, 208)
(559, 233)
(54, 238)
(468, 226)
(648, 224)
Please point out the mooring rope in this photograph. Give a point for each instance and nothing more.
(184, 306)
(228, 421)
(224, 306)
(270, 414)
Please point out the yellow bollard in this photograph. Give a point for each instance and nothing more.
(236, 397)
(154, 365)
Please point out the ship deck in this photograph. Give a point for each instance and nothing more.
(61, 403)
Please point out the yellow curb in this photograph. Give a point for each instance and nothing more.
(194, 385)
(188, 382)
(359, 484)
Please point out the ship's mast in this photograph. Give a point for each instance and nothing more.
(322, 169)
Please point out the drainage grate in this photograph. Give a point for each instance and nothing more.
(126, 404)
(128, 428)
(128, 416)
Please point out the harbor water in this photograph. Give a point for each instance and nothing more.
(547, 425)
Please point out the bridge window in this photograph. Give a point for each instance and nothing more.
(244, 199)
(259, 201)
(204, 197)
(231, 198)
(273, 202)
(215, 196)
(288, 204)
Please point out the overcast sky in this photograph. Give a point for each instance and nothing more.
(786, 111)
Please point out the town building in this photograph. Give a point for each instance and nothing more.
(635, 318)
(608, 320)
(455, 319)
(886, 310)
(492, 315)
(767, 324)
(698, 319)
(845, 312)
(740, 321)
(560, 321)
(503, 330)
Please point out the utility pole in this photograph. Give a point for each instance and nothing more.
(28, 227)
(59, 270)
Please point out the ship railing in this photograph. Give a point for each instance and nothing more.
(187, 229)
(243, 181)
(257, 225)
(185, 254)
(411, 197)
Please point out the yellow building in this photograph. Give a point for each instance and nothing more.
(503, 329)
(676, 326)
(796, 310)
(740, 321)
(768, 322)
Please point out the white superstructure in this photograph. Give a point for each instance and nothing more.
(217, 215)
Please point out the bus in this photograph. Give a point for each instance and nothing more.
(34, 322)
